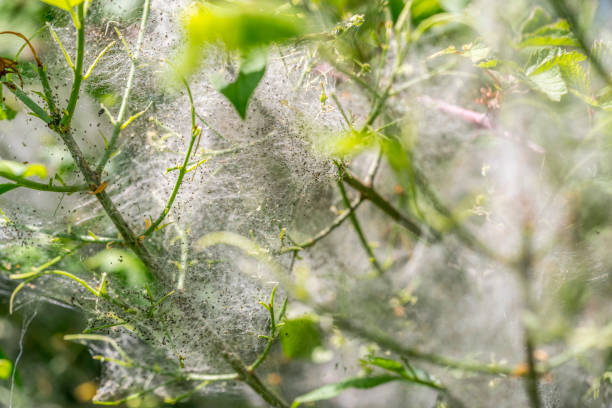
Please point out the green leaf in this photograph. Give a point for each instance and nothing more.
(395, 8)
(550, 35)
(549, 41)
(550, 83)
(539, 31)
(559, 28)
(544, 60)
(407, 372)
(604, 98)
(585, 98)
(6, 113)
(243, 26)
(239, 92)
(390, 365)
(347, 143)
(124, 265)
(6, 368)
(568, 62)
(332, 390)
(64, 4)
(299, 337)
(16, 169)
(7, 187)
(422, 9)
(538, 18)
(492, 63)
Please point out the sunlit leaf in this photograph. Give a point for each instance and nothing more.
(543, 60)
(332, 390)
(16, 169)
(550, 35)
(6, 113)
(550, 83)
(346, 144)
(540, 31)
(568, 63)
(423, 9)
(64, 4)
(239, 92)
(6, 368)
(242, 26)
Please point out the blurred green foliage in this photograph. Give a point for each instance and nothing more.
(300, 336)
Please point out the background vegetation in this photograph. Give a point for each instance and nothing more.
(305, 203)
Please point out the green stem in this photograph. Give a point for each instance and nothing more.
(146, 7)
(42, 186)
(195, 132)
(78, 72)
(380, 100)
(389, 343)
(273, 329)
(358, 230)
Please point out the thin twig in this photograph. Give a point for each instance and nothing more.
(22, 182)
(358, 230)
(390, 343)
(195, 132)
(525, 273)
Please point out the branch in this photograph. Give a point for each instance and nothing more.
(372, 195)
(358, 230)
(22, 182)
(335, 224)
(479, 119)
(340, 219)
(391, 344)
(244, 372)
(92, 178)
